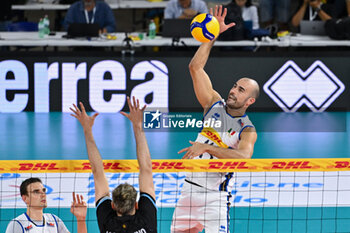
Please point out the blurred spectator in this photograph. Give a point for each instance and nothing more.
(338, 27)
(313, 10)
(213, 3)
(91, 11)
(342, 8)
(67, 1)
(184, 9)
(249, 12)
(275, 11)
(5, 14)
(234, 14)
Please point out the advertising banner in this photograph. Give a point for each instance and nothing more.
(52, 83)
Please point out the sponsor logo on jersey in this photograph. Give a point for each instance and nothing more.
(240, 122)
(222, 228)
(50, 224)
(211, 134)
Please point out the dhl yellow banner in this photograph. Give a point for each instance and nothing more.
(196, 165)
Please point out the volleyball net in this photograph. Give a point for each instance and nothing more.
(269, 195)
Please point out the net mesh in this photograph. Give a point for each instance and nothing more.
(267, 195)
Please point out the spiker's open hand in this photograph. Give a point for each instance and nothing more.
(220, 14)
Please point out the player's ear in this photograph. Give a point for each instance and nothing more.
(25, 198)
(113, 206)
(136, 206)
(250, 101)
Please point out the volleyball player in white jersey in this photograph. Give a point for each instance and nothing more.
(204, 200)
(33, 193)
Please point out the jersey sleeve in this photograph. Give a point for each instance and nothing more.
(61, 227)
(148, 209)
(206, 111)
(14, 227)
(104, 211)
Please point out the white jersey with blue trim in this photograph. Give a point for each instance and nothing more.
(50, 224)
(225, 136)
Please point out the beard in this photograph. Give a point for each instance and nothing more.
(231, 103)
(234, 105)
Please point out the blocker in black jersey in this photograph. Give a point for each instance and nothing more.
(144, 220)
(122, 213)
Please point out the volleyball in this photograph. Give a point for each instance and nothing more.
(205, 27)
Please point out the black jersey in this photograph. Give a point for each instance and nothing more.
(144, 220)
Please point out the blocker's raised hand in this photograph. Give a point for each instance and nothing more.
(78, 207)
(136, 113)
(85, 120)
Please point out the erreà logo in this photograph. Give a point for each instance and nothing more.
(317, 87)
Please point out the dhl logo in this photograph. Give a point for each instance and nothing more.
(211, 134)
(227, 165)
(340, 164)
(106, 166)
(169, 165)
(155, 166)
(292, 165)
(39, 167)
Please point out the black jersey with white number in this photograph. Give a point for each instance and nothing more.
(144, 220)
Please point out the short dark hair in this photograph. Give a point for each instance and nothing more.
(23, 188)
(124, 198)
(248, 3)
